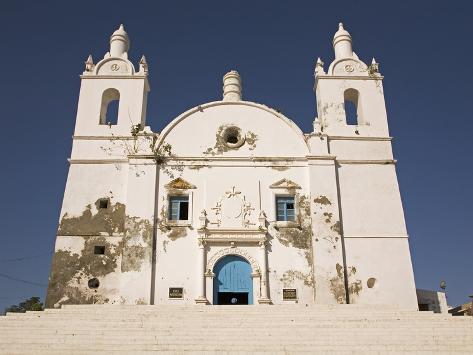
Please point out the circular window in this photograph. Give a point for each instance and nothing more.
(94, 283)
(233, 137)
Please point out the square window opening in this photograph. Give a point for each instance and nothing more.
(103, 203)
(179, 208)
(99, 249)
(285, 208)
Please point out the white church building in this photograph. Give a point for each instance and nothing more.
(215, 210)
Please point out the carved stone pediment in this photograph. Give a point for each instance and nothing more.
(232, 210)
(285, 184)
(179, 184)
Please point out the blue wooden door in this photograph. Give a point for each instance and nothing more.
(233, 274)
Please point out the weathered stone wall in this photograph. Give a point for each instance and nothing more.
(78, 274)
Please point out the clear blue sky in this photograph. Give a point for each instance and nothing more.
(424, 49)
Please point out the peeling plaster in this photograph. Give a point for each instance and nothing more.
(177, 232)
(328, 217)
(71, 271)
(110, 220)
(221, 146)
(337, 284)
(354, 285)
(290, 276)
(336, 227)
(323, 200)
(251, 139)
(300, 237)
(279, 168)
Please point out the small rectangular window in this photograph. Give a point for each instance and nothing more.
(103, 203)
(285, 208)
(179, 208)
(99, 249)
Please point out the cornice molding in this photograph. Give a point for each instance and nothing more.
(205, 159)
(348, 77)
(129, 76)
(113, 138)
(355, 138)
(97, 161)
(321, 157)
(376, 236)
(354, 161)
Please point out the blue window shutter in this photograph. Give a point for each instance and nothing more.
(176, 203)
(174, 210)
(285, 208)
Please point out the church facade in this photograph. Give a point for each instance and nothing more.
(215, 210)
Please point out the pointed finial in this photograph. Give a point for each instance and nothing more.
(342, 43)
(119, 42)
(232, 86)
(89, 63)
(143, 65)
(319, 67)
(373, 68)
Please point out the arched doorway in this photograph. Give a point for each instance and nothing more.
(233, 283)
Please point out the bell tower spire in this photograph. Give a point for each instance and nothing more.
(342, 43)
(119, 43)
(113, 93)
(350, 98)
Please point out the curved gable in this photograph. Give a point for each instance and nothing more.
(234, 129)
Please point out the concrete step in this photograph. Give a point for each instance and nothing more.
(268, 348)
(229, 329)
(231, 316)
(302, 326)
(188, 339)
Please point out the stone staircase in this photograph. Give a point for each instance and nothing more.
(289, 329)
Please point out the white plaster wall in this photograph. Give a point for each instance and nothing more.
(357, 149)
(133, 92)
(387, 260)
(277, 136)
(176, 266)
(110, 147)
(370, 200)
(327, 240)
(86, 183)
(136, 285)
(331, 108)
(211, 182)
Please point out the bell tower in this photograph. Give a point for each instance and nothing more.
(352, 122)
(113, 94)
(350, 97)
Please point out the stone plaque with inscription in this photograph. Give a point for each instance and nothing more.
(176, 292)
(289, 294)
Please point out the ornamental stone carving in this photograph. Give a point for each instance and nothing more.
(232, 251)
(179, 184)
(232, 211)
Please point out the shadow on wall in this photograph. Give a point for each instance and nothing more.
(432, 301)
